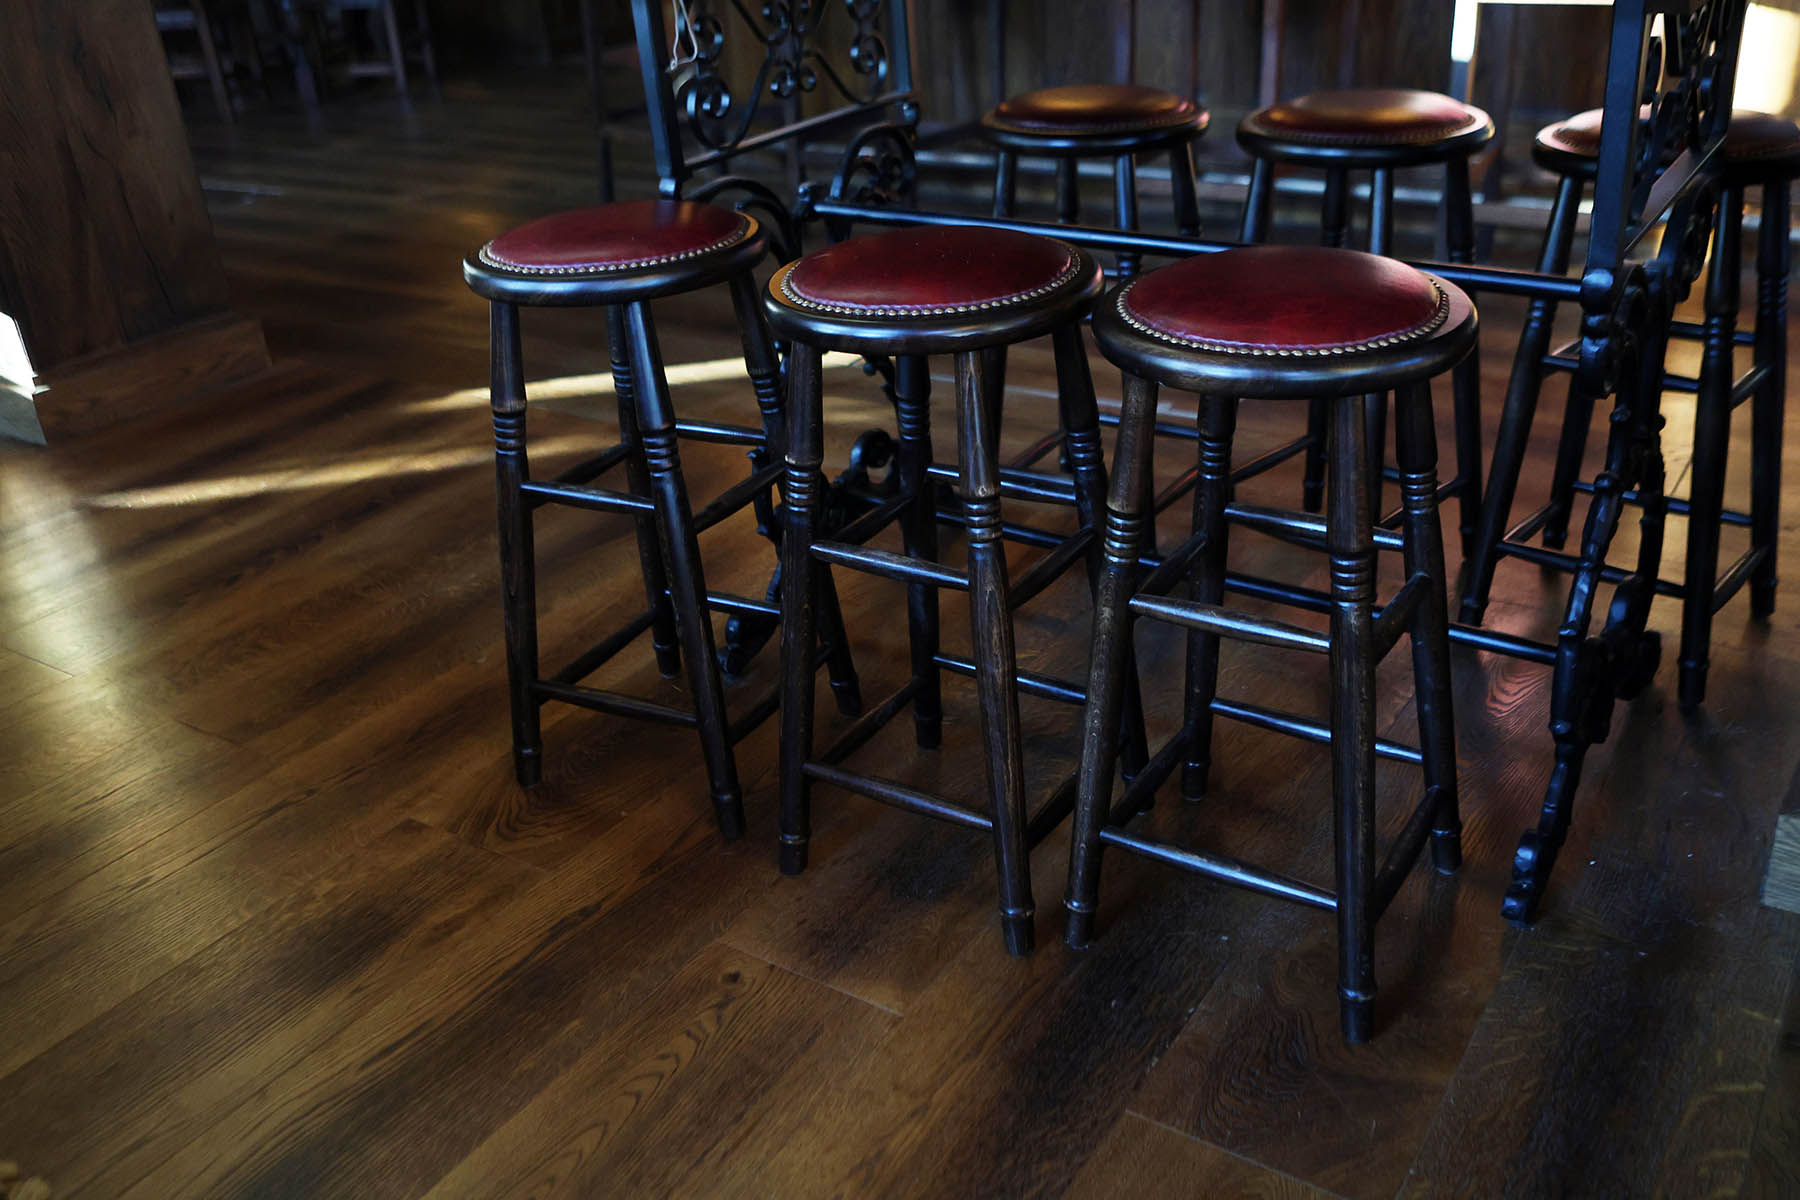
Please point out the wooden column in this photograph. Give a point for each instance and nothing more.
(107, 258)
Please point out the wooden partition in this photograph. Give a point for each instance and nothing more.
(105, 243)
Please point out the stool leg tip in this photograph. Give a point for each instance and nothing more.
(848, 695)
(792, 856)
(668, 661)
(1357, 1017)
(928, 732)
(1078, 928)
(528, 765)
(1446, 852)
(730, 812)
(1019, 931)
(1193, 779)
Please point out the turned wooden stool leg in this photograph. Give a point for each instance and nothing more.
(1125, 208)
(681, 554)
(637, 477)
(919, 532)
(1459, 223)
(764, 369)
(1121, 542)
(1006, 182)
(1415, 447)
(1181, 183)
(1334, 225)
(1712, 438)
(1519, 410)
(1068, 191)
(996, 668)
(1773, 262)
(1206, 580)
(1349, 538)
(799, 596)
(517, 564)
(1086, 463)
(1375, 405)
(1257, 202)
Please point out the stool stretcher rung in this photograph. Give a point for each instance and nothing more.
(1543, 556)
(868, 524)
(890, 565)
(1397, 614)
(601, 652)
(1313, 600)
(741, 606)
(1302, 727)
(1225, 870)
(1734, 577)
(737, 496)
(1048, 569)
(1270, 459)
(1301, 528)
(1697, 332)
(1142, 788)
(593, 467)
(580, 496)
(714, 431)
(870, 723)
(1534, 521)
(1677, 505)
(1179, 487)
(614, 703)
(892, 793)
(1173, 566)
(1746, 387)
(1019, 484)
(1403, 853)
(1227, 622)
(1036, 451)
(1045, 687)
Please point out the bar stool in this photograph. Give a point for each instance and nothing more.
(1760, 151)
(1116, 121)
(620, 257)
(1265, 323)
(1380, 130)
(917, 292)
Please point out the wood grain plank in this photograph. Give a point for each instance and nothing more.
(155, 1074)
(1141, 1158)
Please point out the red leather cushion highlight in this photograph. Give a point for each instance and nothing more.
(929, 270)
(617, 237)
(1751, 136)
(1285, 300)
(1367, 117)
(1095, 108)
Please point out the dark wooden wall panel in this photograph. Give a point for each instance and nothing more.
(104, 236)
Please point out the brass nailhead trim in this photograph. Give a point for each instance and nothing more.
(799, 300)
(1431, 325)
(731, 239)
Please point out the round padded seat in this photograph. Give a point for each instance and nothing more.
(928, 288)
(1366, 125)
(1285, 320)
(641, 246)
(1758, 146)
(1083, 114)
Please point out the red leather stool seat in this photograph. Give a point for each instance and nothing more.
(1096, 108)
(1367, 117)
(929, 272)
(633, 235)
(1285, 301)
(1756, 143)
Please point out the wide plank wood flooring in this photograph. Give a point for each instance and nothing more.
(276, 921)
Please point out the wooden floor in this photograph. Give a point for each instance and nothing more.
(275, 920)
